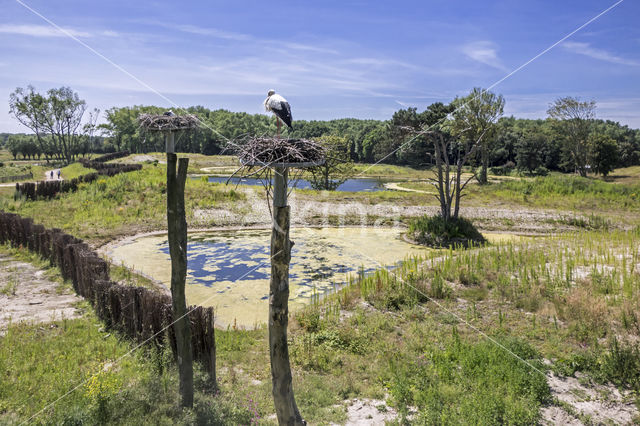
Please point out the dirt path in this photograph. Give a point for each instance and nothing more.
(52, 175)
(27, 295)
(395, 186)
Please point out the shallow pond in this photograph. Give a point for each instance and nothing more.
(230, 269)
(350, 185)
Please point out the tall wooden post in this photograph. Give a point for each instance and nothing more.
(169, 142)
(177, 229)
(283, 398)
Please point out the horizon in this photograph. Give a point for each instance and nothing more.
(331, 61)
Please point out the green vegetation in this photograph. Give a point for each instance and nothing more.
(428, 336)
(370, 141)
(74, 170)
(124, 204)
(337, 167)
(555, 191)
(110, 385)
(402, 333)
(570, 192)
(434, 231)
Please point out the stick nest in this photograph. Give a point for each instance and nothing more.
(264, 151)
(159, 123)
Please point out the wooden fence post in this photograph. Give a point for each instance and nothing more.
(177, 229)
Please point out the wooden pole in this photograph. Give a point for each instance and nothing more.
(177, 229)
(281, 379)
(169, 142)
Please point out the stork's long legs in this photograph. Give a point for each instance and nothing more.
(278, 121)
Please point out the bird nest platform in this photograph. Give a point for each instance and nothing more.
(167, 123)
(275, 152)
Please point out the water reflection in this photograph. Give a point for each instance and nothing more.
(350, 185)
(231, 270)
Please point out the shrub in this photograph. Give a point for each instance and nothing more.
(436, 232)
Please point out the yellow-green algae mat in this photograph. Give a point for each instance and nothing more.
(230, 270)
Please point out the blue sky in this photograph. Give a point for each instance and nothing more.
(330, 59)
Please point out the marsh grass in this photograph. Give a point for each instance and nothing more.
(562, 296)
(434, 231)
(565, 192)
(560, 191)
(123, 204)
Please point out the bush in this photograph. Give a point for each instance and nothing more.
(503, 170)
(434, 231)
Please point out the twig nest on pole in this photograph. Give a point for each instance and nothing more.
(276, 152)
(167, 123)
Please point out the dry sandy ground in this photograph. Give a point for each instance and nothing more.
(255, 210)
(361, 412)
(601, 404)
(27, 295)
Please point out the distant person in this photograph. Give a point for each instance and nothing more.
(58, 174)
(51, 174)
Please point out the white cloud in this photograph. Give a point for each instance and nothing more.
(211, 32)
(40, 31)
(595, 53)
(484, 52)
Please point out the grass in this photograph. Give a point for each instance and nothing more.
(120, 205)
(625, 175)
(403, 335)
(223, 164)
(106, 382)
(74, 170)
(434, 231)
(565, 192)
(555, 191)
(110, 386)
(572, 299)
(9, 289)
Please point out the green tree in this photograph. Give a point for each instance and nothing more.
(57, 115)
(529, 151)
(475, 118)
(30, 108)
(574, 119)
(603, 154)
(337, 168)
(13, 145)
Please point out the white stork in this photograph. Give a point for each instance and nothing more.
(279, 107)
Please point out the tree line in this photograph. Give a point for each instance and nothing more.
(561, 142)
(570, 139)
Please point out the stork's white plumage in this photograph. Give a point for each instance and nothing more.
(279, 106)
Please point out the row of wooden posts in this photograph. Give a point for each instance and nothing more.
(141, 314)
(50, 188)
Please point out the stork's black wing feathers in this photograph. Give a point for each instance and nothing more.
(284, 113)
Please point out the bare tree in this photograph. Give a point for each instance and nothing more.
(451, 156)
(575, 119)
(89, 132)
(337, 168)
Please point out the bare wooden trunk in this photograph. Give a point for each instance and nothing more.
(177, 227)
(211, 361)
(283, 398)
